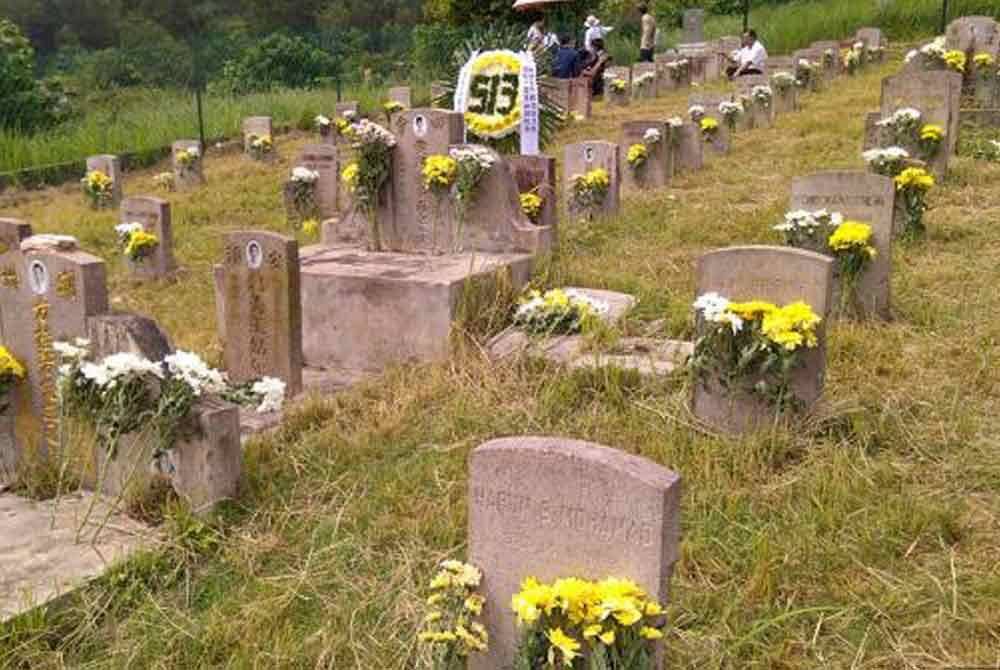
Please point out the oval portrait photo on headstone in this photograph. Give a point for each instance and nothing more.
(255, 255)
(38, 278)
(420, 125)
(588, 154)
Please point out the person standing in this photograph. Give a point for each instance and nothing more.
(595, 31)
(647, 42)
(600, 59)
(568, 63)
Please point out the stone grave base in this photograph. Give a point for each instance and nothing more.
(42, 559)
(646, 356)
(366, 310)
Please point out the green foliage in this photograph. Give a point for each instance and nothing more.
(27, 104)
(277, 61)
(435, 46)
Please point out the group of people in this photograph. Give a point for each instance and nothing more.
(570, 61)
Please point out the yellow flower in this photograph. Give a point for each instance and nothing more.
(791, 326)
(753, 310)
(932, 132)
(474, 604)
(983, 60)
(140, 244)
(709, 125)
(392, 106)
(531, 205)
(566, 645)
(10, 366)
(955, 59)
(624, 610)
(597, 179)
(651, 633)
(533, 599)
(850, 234)
(310, 227)
(608, 637)
(435, 599)
(592, 631)
(441, 581)
(439, 172)
(916, 179)
(432, 617)
(574, 596)
(653, 609)
(637, 155)
(351, 176)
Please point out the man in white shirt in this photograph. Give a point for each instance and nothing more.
(750, 59)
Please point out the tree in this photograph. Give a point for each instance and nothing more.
(28, 104)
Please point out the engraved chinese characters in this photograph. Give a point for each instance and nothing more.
(261, 308)
(551, 508)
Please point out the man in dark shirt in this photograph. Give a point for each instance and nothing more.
(567, 63)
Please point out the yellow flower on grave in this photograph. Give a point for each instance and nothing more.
(653, 609)
(439, 172)
(598, 179)
(618, 85)
(392, 107)
(310, 227)
(932, 132)
(624, 610)
(474, 604)
(852, 235)
(955, 60)
(351, 176)
(983, 60)
(10, 368)
(261, 143)
(341, 124)
(568, 648)
(435, 599)
(97, 182)
(709, 126)
(140, 245)
(791, 326)
(650, 633)
(575, 597)
(916, 179)
(753, 310)
(637, 155)
(531, 205)
(533, 599)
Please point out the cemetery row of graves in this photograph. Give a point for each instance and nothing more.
(420, 230)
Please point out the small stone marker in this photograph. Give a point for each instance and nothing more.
(190, 175)
(689, 148)
(401, 94)
(537, 174)
(256, 126)
(780, 275)
(721, 141)
(659, 165)
(322, 158)
(154, 215)
(814, 57)
(583, 157)
(112, 167)
(867, 198)
(648, 73)
(694, 26)
(871, 37)
(342, 109)
(580, 96)
(756, 114)
(937, 94)
(549, 508)
(831, 68)
(257, 287)
(129, 333)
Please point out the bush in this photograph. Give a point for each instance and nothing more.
(277, 61)
(434, 46)
(27, 104)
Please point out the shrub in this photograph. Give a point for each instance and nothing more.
(277, 61)
(28, 104)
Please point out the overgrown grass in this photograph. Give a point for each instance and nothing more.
(135, 120)
(868, 542)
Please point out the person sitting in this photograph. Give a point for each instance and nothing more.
(568, 62)
(595, 68)
(751, 57)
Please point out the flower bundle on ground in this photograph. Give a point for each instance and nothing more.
(614, 619)
(753, 347)
(531, 205)
(11, 372)
(888, 161)
(136, 243)
(590, 189)
(709, 128)
(98, 187)
(913, 184)
(165, 181)
(450, 629)
(557, 312)
(303, 192)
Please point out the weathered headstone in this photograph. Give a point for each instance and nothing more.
(112, 167)
(124, 332)
(537, 174)
(937, 95)
(50, 296)
(868, 198)
(402, 95)
(688, 148)
(720, 141)
(871, 37)
(256, 127)
(322, 158)
(832, 63)
(258, 293)
(584, 157)
(12, 231)
(581, 95)
(551, 508)
(694, 26)
(659, 164)
(974, 34)
(618, 76)
(779, 275)
(816, 75)
(188, 173)
(154, 215)
(645, 81)
(757, 114)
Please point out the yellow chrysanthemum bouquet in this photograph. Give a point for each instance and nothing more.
(753, 347)
(610, 624)
(930, 138)
(557, 312)
(590, 189)
(531, 205)
(709, 128)
(912, 184)
(637, 156)
(261, 146)
(851, 245)
(11, 372)
(136, 243)
(450, 630)
(955, 60)
(99, 188)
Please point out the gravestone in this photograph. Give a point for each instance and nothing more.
(937, 94)
(551, 508)
(641, 73)
(694, 26)
(583, 157)
(124, 332)
(659, 165)
(258, 296)
(50, 295)
(191, 175)
(581, 96)
(322, 158)
(779, 275)
(871, 37)
(537, 174)
(256, 126)
(873, 132)
(672, 73)
(12, 232)
(868, 198)
(688, 148)
(154, 215)
(779, 63)
(831, 68)
(349, 108)
(721, 141)
(757, 115)
(974, 34)
(112, 167)
(815, 58)
(402, 95)
(624, 75)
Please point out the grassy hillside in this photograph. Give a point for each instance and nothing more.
(867, 541)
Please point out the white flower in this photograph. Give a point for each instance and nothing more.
(859, 45)
(72, 353)
(304, 175)
(125, 230)
(805, 64)
(762, 93)
(322, 120)
(728, 108)
(910, 55)
(675, 122)
(903, 117)
(786, 78)
(643, 79)
(367, 132)
(598, 307)
(349, 114)
(887, 154)
(191, 369)
(118, 368)
(271, 392)
(482, 156)
(935, 49)
(808, 222)
(696, 111)
(714, 310)
(652, 136)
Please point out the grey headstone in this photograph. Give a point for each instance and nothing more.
(154, 215)
(322, 158)
(659, 166)
(193, 174)
(583, 157)
(111, 166)
(937, 95)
